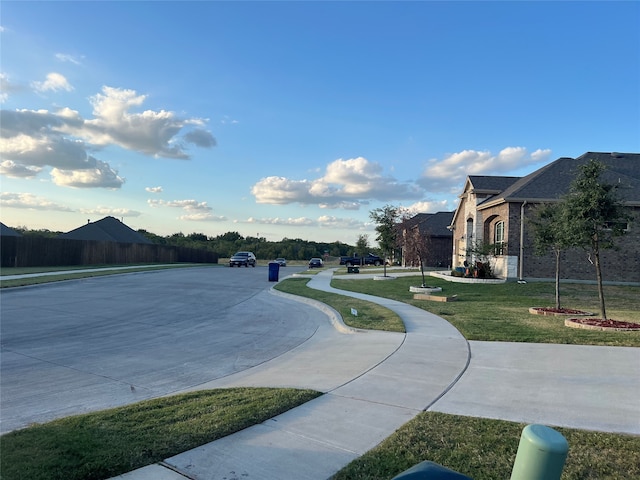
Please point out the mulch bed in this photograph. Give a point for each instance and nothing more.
(600, 324)
(557, 311)
(587, 323)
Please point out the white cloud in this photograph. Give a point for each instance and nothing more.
(295, 222)
(202, 217)
(336, 222)
(16, 170)
(154, 189)
(108, 211)
(190, 205)
(200, 138)
(150, 132)
(195, 211)
(54, 83)
(30, 201)
(228, 120)
(343, 205)
(100, 174)
(448, 174)
(430, 207)
(65, 57)
(281, 191)
(324, 221)
(7, 87)
(38, 150)
(541, 155)
(35, 139)
(346, 184)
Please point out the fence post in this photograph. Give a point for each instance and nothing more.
(541, 454)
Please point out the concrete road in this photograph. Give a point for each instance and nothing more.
(84, 345)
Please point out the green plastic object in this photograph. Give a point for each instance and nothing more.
(541, 455)
(430, 471)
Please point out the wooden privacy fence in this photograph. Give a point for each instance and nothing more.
(53, 252)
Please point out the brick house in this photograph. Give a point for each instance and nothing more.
(433, 227)
(495, 209)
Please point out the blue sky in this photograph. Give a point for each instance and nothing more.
(296, 119)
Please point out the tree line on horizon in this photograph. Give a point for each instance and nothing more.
(226, 244)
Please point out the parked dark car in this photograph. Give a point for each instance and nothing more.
(316, 263)
(243, 259)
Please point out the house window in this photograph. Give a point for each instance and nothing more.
(622, 226)
(498, 237)
(469, 235)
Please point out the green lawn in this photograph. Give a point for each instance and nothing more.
(500, 312)
(486, 449)
(104, 444)
(369, 315)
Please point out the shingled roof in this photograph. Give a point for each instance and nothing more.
(108, 229)
(489, 184)
(8, 231)
(434, 224)
(552, 181)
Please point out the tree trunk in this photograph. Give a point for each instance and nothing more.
(596, 253)
(557, 278)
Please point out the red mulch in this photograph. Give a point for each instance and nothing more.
(562, 311)
(586, 320)
(598, 322)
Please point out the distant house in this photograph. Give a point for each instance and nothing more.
(495, 209)
(8, 231)
(434, 228)
(108, 229)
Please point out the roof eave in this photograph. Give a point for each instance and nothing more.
(499, 201)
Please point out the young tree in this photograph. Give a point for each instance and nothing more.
(386, 219)
(415, 243)
(362, 245)
(549, 235)
(593, 216)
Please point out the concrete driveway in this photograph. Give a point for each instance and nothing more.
(84, 345)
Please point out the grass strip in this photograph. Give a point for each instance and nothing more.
(500, 312)
(369, 315)
(485, 449)
(101, 445)
(67, 273)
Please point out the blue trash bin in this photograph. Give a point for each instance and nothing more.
(274, 269)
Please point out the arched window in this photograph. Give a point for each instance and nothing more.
(498, 237)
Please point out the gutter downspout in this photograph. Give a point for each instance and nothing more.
(521, 259)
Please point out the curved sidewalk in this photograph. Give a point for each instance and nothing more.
(374, 382)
